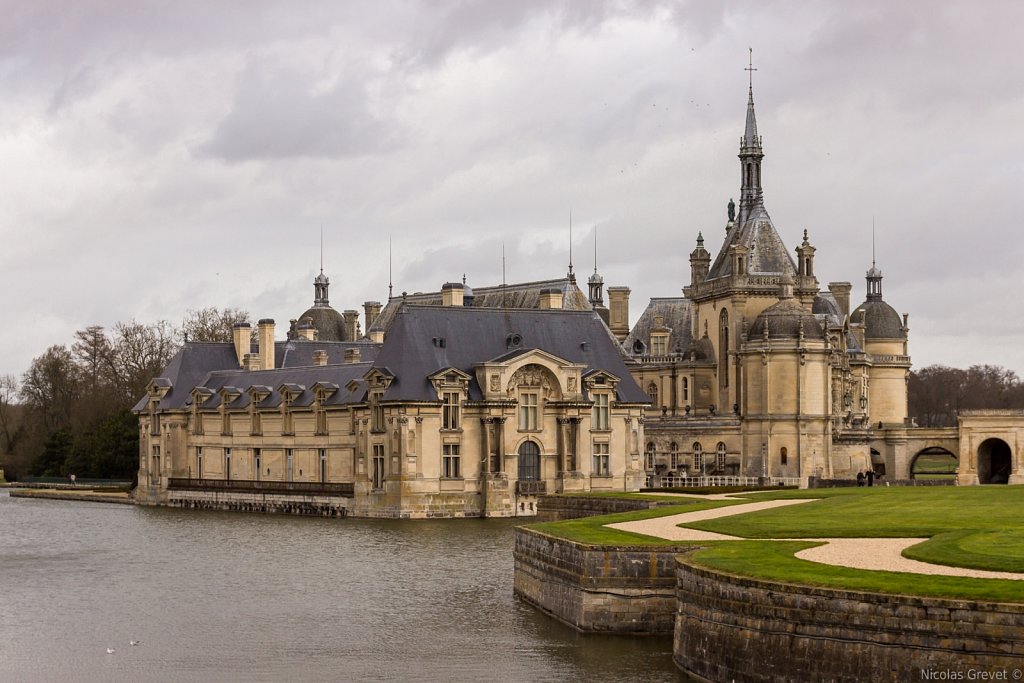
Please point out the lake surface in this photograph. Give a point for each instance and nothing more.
(245, 597)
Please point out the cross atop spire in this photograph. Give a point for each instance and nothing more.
(750, 68)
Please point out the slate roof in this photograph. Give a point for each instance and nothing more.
(677, 315)
(190, 366)
(784, 321)
(827, 308)
(473, 335)
(523, 295)
(768, 254)
(329, 324)
(881, 321)
(300, 379)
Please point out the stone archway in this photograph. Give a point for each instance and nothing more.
(934, 462)
(995, 462)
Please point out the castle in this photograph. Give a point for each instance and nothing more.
(466, 402)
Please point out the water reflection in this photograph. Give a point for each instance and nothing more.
(225, 596)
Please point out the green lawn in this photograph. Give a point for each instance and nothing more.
(979, 527)
(774, 560)
(592, 530)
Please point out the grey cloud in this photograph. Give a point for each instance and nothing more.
(277, 114)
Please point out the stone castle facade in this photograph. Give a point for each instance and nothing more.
(466, 402)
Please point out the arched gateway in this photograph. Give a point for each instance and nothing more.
(994, 462)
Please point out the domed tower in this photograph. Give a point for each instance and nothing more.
(883, 336)
(787, 376)
(330, 324)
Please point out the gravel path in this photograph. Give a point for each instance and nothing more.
(878, 554)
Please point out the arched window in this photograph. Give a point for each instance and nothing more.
(652, 391)
(698, 457)
(529, 461)
(720, 452)
(649, 454)
(783, 455)
(673, 450)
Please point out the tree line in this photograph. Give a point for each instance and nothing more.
(70, 412)
(937, 393)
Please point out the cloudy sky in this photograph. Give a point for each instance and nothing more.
(162, 156)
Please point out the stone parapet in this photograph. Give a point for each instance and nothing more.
(744, 629)
(598, 589)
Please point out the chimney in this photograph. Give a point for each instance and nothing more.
(251, 361)
(372, 310)
(351, 325)
(550, 298)
(320, 357)
(377, 336)
(265, 335)
(306, 330)
(841, 292)
(452, 293)
(618, 313)
(351, 356)
(241, 334)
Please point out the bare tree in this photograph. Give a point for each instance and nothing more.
(140, 353)
(11, 424)
(212, 324)
(50, 387)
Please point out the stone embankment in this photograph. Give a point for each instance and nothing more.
(598, 589)
(72, 494)
(736, 628)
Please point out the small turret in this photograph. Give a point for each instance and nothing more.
(700, 262)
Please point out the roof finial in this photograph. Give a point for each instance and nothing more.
(463, 278)
(390, 283)
(700, 238)
(595, 249)
(321, 247)
(503, 275)
(872, 241)
(750, 69)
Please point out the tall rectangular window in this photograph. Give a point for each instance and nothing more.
(257, 422)
(199, 462)
(288, 463)
(227, 464)
(225, 422)
(257, 463)
(378, 466)
(528, 411)
(321, 420)
(600, 417)
(287, 421)
(323, 465)
(659, 345)
(450, 410)
(451, 462)
(601, 459)
(154, 417)
(377, 421)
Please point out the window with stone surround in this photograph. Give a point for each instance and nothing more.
(601, 465)
(377, 476)
(528, 409)
(450, 410)
(600, 412)
(451, 461)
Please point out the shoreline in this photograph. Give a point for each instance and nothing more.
(65, 494)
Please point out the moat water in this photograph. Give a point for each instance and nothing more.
(245, 597)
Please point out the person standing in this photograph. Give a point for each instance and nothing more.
(860, 479)
(871, 477)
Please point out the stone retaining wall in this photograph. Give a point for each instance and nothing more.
(734, 628)
(598, 589)
(308, 505)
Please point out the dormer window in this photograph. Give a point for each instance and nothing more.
(450, 410)
(528, 403)
(376, 412)
(659, 344)
(154, 417)
(600, 412)
(287, 419)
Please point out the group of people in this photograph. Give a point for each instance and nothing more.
(868, 477)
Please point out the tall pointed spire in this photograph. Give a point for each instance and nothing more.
(596, 282)
(874, 275)
(570, 275)
(750, 153)
(321, 281)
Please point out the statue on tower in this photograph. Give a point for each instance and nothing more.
(732, 210)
